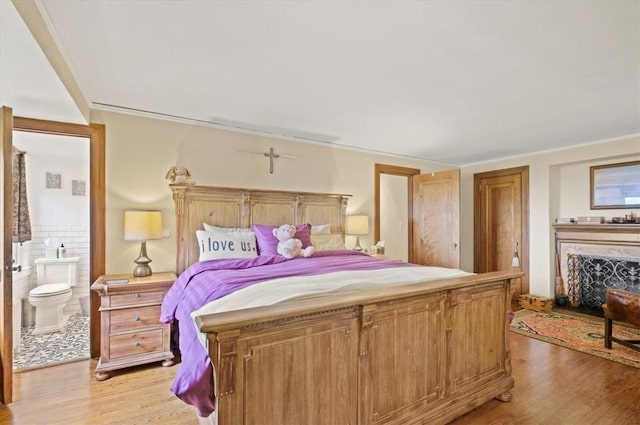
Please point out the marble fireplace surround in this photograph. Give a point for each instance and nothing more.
(620, 241)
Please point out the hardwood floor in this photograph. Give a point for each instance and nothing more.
(554, 386)
(70, 394)
(558, 386)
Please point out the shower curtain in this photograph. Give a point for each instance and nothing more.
(21, 220)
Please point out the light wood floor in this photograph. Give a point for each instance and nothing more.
(554, 385)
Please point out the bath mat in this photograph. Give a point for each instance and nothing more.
(577, 331)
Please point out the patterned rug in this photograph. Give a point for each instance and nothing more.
(577, 331)
(36, 351)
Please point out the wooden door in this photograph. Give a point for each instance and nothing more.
(501, 220)
(6, 295)
(436, 219)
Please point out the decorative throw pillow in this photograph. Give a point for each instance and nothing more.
(268, 244)
(325, 242)
(321, 229)
(211, 228)
(226, 245)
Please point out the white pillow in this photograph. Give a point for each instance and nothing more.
(211, 228)
(321, 228)
(327, 241)
(226, 245)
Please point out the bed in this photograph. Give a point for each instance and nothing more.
(372, 342)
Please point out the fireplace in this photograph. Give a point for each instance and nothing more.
(594, 257)
(589, 277)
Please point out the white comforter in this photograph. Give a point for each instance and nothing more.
(282, 289)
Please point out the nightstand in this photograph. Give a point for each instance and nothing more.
(131, 333)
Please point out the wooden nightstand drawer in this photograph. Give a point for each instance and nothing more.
(134, 318)
(136, 298)
(135, 343)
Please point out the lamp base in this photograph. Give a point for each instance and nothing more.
(357, 246)
(142, 269)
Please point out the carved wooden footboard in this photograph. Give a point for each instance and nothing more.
(414, 354)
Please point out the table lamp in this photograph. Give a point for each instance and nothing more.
(142, 226)
(357, 225)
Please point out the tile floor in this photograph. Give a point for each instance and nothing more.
(37, 351)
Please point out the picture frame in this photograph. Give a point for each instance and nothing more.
(53, 180)
(78, 188)
(615, 186)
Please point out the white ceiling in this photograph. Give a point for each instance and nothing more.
(455, 82)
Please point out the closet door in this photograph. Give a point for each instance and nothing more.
(501, 220)
(436, 219)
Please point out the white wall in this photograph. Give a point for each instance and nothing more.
(574, 190)
(558, 186)
(140, 150)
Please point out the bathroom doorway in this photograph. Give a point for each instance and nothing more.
(56, 252)
(94, 136)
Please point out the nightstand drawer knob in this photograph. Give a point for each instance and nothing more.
(137, 318)
(137, 344)
(137, 294)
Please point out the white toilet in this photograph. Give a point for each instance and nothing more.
(54, 277)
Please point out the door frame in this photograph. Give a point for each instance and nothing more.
(96, 135)
(393, 170)
(6, 332)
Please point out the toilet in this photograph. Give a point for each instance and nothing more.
(54, 279)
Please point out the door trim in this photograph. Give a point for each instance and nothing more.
(96, 134)
(395, 171)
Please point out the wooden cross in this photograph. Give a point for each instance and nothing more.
(271, 155)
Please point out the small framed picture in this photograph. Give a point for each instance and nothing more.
(54, 180)
(78, 188)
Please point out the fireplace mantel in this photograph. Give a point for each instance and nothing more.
(598, 233)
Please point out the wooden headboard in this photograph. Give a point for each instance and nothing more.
(234, 207)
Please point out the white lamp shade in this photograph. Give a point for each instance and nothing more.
(142, 225)
(357, 225)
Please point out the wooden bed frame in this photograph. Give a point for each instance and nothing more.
(411, 354)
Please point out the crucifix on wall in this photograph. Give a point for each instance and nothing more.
(271, 155)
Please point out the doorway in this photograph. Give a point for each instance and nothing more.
(95, 136)
(382, 219)
(432, 201)
(53, 247)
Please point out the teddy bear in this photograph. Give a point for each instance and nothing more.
(179, 175)
(288, 245)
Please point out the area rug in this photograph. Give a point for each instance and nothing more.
(577, 331)
(36, 351)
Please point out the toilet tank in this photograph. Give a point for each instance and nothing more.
(57, 270)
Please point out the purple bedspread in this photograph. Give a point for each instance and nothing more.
(209, 280)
